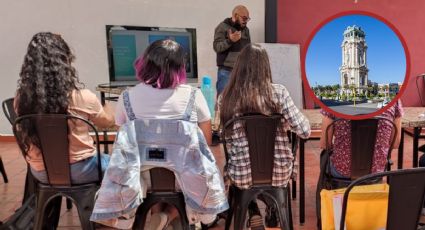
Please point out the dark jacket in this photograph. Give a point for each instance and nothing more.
(227, 51)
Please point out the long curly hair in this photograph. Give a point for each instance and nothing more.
(47, 79)
(250, 87)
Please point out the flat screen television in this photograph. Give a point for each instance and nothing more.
(126, 43)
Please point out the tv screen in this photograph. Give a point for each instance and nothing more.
(126, 43)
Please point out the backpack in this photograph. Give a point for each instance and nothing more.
(23, 218)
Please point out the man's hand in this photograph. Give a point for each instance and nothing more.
(234, 36)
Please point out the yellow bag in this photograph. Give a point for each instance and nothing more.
(367, 207)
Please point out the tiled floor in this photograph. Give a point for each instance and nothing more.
(11, 193)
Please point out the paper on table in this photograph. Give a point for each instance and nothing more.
(337, 208)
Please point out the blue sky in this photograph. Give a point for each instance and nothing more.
(386, 59)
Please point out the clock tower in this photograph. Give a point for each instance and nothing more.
(354, 71)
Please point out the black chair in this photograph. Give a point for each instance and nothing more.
(10, 114)
(261, 133)
(9, 110)
(30, 183)
(3, 171)
(406, 196)
(363, 139)
(293, 139)
(52, 133)
(162, 191)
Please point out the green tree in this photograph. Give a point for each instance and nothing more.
(335, 89)
(370, 92)
(386, 88)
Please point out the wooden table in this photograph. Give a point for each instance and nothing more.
(410, 120)
(109, 90)
(315, 119)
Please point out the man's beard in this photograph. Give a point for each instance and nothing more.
(238, 25)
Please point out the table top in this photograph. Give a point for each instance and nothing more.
(410, 119)
(314, 117)
(111, 90)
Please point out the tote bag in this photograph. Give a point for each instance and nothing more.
(366, 208)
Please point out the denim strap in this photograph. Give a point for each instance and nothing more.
(127, 105)
(188, 112)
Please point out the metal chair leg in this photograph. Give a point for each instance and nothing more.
(3, 171)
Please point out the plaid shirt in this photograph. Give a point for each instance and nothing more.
(285, 166)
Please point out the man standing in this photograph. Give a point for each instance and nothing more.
(230, 37)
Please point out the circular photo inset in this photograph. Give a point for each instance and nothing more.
(355, 66)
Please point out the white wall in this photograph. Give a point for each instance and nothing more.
(286, 68)
(82, 25)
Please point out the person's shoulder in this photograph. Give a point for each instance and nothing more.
(83, 98)
(227, 21)
(279, 88)
(327, 114)
(225, 24)
(84, 94)
(83, 91)
(140, 88)
(187, 88)
(395, 110)
(398, 104)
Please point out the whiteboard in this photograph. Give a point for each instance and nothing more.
(286, 68)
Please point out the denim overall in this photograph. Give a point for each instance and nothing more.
(175, 144)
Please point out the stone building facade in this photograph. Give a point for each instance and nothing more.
(354, 71)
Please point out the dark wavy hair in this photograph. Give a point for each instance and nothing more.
(250, 87)
(162, 65)
(47, 79)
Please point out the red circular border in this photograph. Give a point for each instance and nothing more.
(342, 115)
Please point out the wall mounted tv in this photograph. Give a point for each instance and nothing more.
(126, 43)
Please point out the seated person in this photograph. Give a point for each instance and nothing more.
(49, 84)
(250, 90)
(162, 94)
(340, 160)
